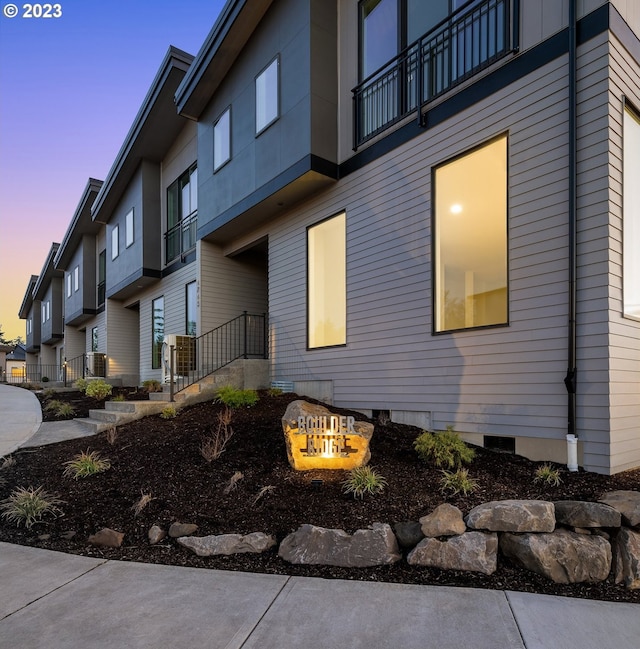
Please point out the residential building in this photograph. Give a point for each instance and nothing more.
(433, 194)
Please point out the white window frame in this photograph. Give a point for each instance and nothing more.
(222, 140)
(128, 229)
(68, 284)
(268, 97)
(115, 236)
(76, 278)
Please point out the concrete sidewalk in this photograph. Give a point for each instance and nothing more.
(55, 601)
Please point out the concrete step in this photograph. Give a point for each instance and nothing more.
(103, 416)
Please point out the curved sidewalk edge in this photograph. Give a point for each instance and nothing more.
(50, 599)
(20, 417)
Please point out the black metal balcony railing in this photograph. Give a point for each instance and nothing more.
(181, 237)
(470, 39)
(242, 337)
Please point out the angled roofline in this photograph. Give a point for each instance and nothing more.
(27, 300)
(174, 59)
(80, 224)
(232, 29)
(47, 273)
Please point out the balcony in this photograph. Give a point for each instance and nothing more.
(469, 40)
(181, 238)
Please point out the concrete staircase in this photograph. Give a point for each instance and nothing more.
(116, 413)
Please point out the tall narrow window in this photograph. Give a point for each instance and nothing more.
(267, 104)
(157, 332)
(631, 213)
(68, 284)
(102, 277)
(115, 246)
(470, 242)
(48, 309)
(128, 229)
(44, 314)
(76, 278)
(327, 283)
(222, 140)
(191, 308)
(94, 339)
(182, 207)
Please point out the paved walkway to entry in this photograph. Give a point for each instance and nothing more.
(50, 600)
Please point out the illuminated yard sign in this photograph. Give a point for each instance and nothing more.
(319, 439)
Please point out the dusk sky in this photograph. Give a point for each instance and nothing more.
(70, 88)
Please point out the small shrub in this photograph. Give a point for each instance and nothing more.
(47, 394)
(233, 482)
(364, 480)
(86, 464)
(236, 398)
(98, 389)
(547, 475)
(269, 489)
(45, 379)
(458, 482)
(65, 411)
(274, 392)
(81, 384)
(28, 505)
(141, 503)
(444, 448)
(111, 434)
(213, 447)
(169, 412)
(8, 461)
(118, 397)
(53, 405)
(151, 385)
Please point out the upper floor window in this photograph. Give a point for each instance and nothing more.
(470, 239)
(115, 242)
(128, 229)
(29, 327)
(68, 284)
(102, 277)
(631, 212)
(267, 102)
(222, 140)
(182, 208)
(411, 51)
(76, 278)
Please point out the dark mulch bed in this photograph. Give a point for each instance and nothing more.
(162, 458)
(81, 403)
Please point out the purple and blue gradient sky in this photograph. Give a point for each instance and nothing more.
(70, 88)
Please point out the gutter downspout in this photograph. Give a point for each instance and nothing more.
(571, 377)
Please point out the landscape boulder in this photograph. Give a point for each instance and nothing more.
(563, 556)
(313, 545)
(177, 530)
(473, 551)
(408, 533)
(627, 503)
(155, 534)
(444, 520)
(578, 513)
(626, 553)
(513, 516)
(208, 546)
(106, 538)
(316, 438)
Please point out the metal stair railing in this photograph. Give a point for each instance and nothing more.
(243, 337)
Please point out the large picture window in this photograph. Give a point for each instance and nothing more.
(157, 332)
(267, 104)
(470, 239)
(327, 283)
(631, 213)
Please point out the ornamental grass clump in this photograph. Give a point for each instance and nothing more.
(169, 412)
(547, 475)
(27, 506)
(86, 464)
(236, 398)
(456, 482)
(364, 480)
(444, 448)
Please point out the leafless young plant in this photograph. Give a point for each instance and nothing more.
(140, 504)
(269, 489)
(214, 445)
(233, 482)
(8, 461)
(111, 434)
